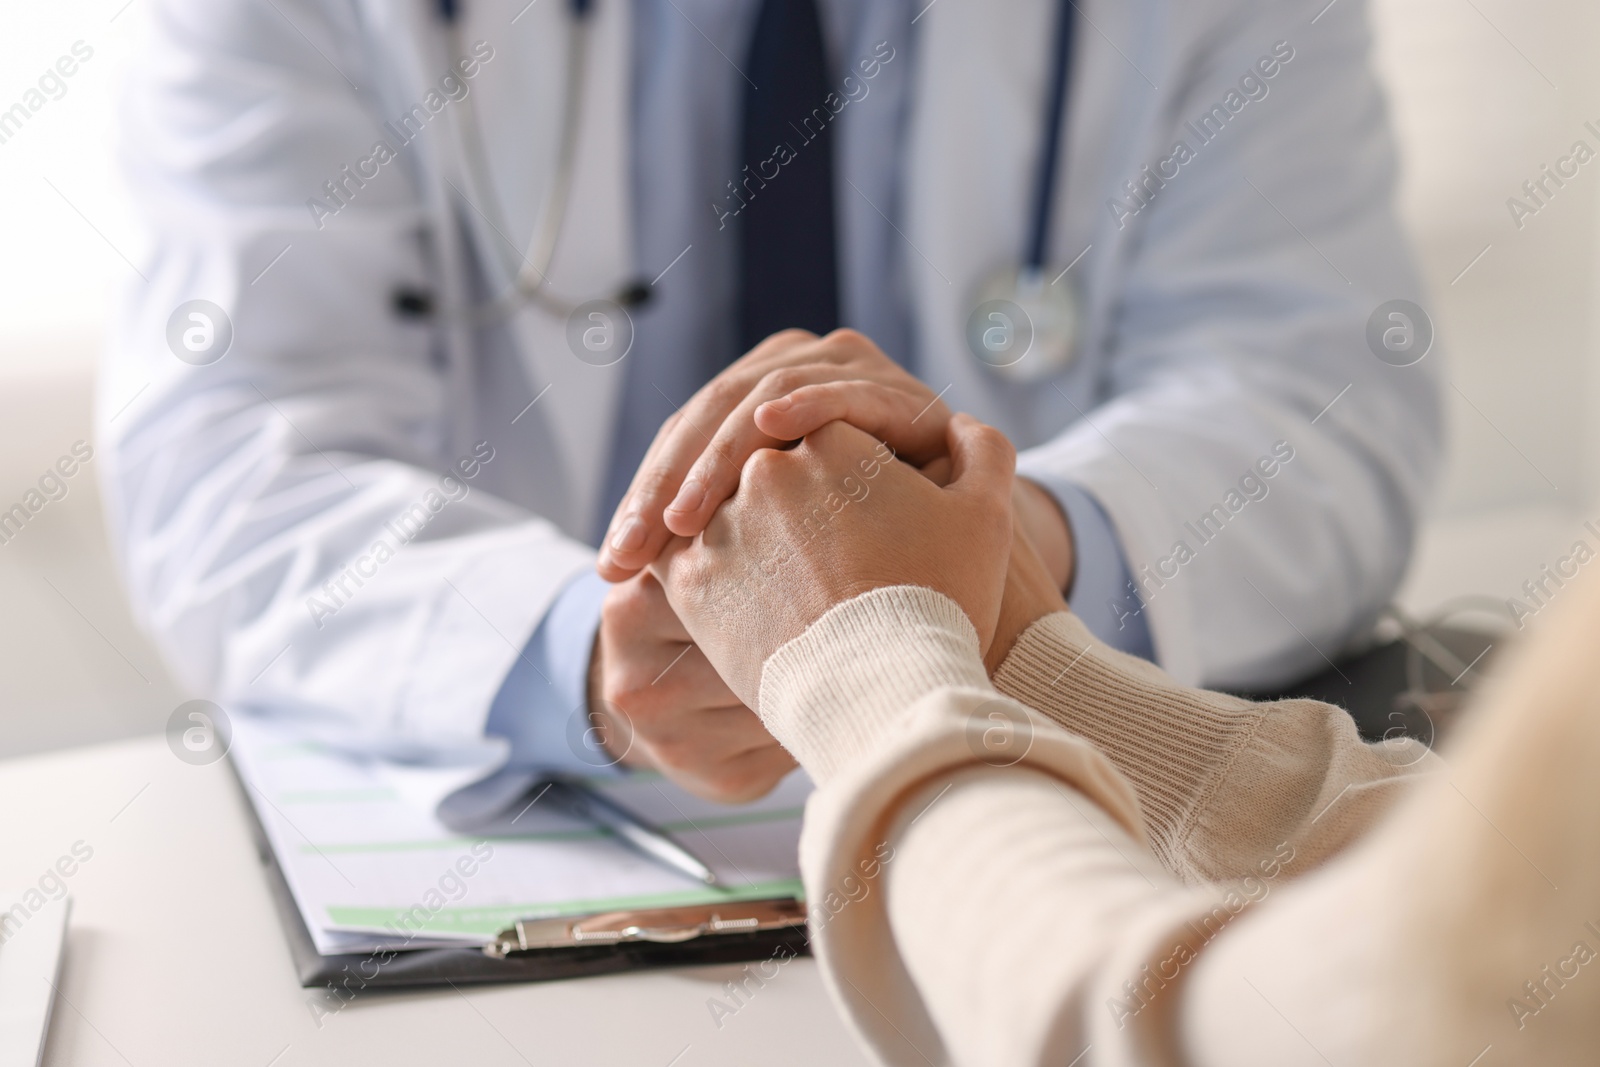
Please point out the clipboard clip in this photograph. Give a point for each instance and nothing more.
(660, 925)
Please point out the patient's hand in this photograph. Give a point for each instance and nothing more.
(830, 519)
(695, 461)
(900, 416)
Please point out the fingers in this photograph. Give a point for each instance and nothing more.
(678, 682)
(701, 739)
(752, 775)
(715, 474)
(793, 402)
(640, 526)
(686, 723)
(639, 612)
(737, 779)
(983, 462)
(637, 534)
(660, 568)
(938, 471)
(778, 348)
(904, 418)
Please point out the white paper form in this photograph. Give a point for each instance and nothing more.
(371, 867)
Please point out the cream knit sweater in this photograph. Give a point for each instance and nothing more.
(989, 887)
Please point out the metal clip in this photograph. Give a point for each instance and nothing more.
(663, 926)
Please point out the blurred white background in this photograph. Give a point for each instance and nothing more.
(73, 665)
(1484, 93)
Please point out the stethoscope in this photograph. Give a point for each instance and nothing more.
(530, 277)
(1024, 326)
(1025, 322)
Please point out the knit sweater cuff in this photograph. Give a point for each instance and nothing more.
(836, 693)
(1173, 743)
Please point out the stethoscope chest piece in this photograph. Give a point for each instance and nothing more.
(1024, 327)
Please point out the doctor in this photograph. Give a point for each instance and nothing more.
(428, 276)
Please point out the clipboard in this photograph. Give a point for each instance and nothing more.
(540, 949)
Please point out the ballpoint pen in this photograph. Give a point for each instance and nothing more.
(579, 801)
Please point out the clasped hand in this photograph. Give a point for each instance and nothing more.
(730, 543)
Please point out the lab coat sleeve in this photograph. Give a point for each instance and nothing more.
(298, 520)
(1240, 328)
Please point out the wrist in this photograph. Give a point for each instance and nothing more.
(1030, 595)
(1041, 518)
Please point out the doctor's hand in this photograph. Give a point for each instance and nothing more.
(658, 703)
(830, 519)
(695, 461)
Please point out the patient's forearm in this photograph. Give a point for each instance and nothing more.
(985, 915)
(1020, 908)
(1225, 785)
(1017, 903)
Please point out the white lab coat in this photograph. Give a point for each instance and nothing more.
(1220, 319)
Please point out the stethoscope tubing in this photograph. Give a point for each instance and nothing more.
(1050, 152)
(530, 278)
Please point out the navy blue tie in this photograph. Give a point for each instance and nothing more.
(789, 273)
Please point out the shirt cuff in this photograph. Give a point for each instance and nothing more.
(1103, 592)
(542, 707)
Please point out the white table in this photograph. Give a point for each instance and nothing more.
(175, 956)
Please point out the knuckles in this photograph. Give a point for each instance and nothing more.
(779, 342)
(632, 688)
(785, 380)
(631, 692)
(839, 440)
(724, 392)
(847, 345)
(992, 438)
(619, 608)
(675, 743)
(739, 787)
(763, 466)
(735, 781)
(631, 607)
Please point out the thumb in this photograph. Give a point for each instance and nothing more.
(983, 461)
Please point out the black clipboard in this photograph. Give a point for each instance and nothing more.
(423, 967)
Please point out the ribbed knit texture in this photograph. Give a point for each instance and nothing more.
(1022, 922)
(875, 654)
(1170, 741)
(1223, 784)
